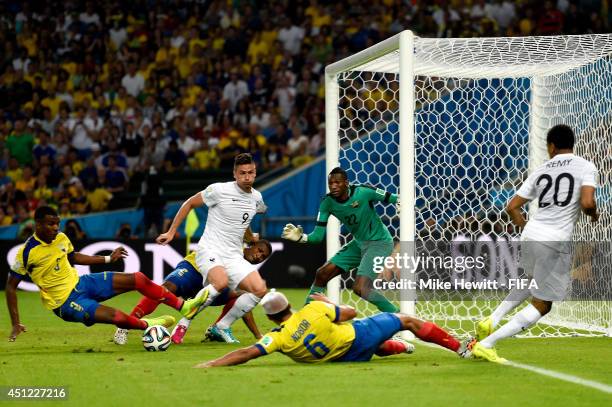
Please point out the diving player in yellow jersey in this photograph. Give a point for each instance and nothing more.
(317, 333)
(47, 258)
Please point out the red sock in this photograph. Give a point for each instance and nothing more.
(145, 307)
(126, 321)
(431, 332)
(228, 306)
(391, 347)
(156, 292)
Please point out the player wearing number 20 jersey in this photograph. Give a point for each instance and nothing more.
(563, 186)
(557, 184)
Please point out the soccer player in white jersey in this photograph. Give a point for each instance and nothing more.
(219, 257)
(563, 185)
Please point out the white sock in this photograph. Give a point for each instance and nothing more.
(513, 300)
(243, 304)
(212, 294)
(185, 322)
(521, 321)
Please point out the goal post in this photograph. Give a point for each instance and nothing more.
(456, 136)
(406, 144)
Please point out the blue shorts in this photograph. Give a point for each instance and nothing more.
(370, 333)
(85, 298)
(187, 279)
(189, 282)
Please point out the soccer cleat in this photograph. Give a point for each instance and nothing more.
(120, 337)
(484, 328)
(465, 349)
(485, 353)
(209, 336)
(191, 307)
(222, 335)
(165, 320)
(410, 348)
(178, 333)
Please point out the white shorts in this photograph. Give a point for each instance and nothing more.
(236, 267)
(549, 266)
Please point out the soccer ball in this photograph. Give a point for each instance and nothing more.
(156, 338)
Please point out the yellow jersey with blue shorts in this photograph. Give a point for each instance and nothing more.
(311, 335)
(48, 266)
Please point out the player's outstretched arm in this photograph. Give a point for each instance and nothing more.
(588, 203)
(195, 201)
(13, 308)
(86, 260)
(514, 210)
(296, 233)
(236, 357)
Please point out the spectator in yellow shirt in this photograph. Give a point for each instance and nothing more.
(27, 181)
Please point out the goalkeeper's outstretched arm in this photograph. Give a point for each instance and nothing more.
(296, 233)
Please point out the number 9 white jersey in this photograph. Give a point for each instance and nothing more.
(557, 184)
(230, 211)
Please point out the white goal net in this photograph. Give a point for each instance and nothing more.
(469, 126)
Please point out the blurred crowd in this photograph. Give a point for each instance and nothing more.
(92, 93)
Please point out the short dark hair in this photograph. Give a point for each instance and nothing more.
(340, 171)
(561, 136)
(243, 158)
(280, 315)
(43, 211)
(265, 242)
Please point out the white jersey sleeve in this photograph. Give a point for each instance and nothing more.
(556, 185)
(590, 176)
(211, 195)
(528, 189)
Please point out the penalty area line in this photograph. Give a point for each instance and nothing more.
(544, 372)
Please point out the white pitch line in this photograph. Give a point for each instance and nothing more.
(563, 376)
(546, 372)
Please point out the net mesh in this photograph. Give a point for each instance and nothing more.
(482, 110)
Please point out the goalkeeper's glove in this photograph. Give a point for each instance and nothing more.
(294, 233)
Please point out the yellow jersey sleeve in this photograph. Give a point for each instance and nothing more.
(18, 268)
(270, 343)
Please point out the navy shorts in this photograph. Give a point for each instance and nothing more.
(189, 282)
(370, 333)
(85, 298)
(187, 279)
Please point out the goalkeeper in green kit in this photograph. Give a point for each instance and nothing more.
(353, 205)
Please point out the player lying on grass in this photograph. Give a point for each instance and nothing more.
(353, 205)
(186, 280)
(316, 333)
(564, 185)
(47, 258)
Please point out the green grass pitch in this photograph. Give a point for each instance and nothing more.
(99, 373)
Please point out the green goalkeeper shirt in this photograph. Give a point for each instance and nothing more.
(356, 213)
